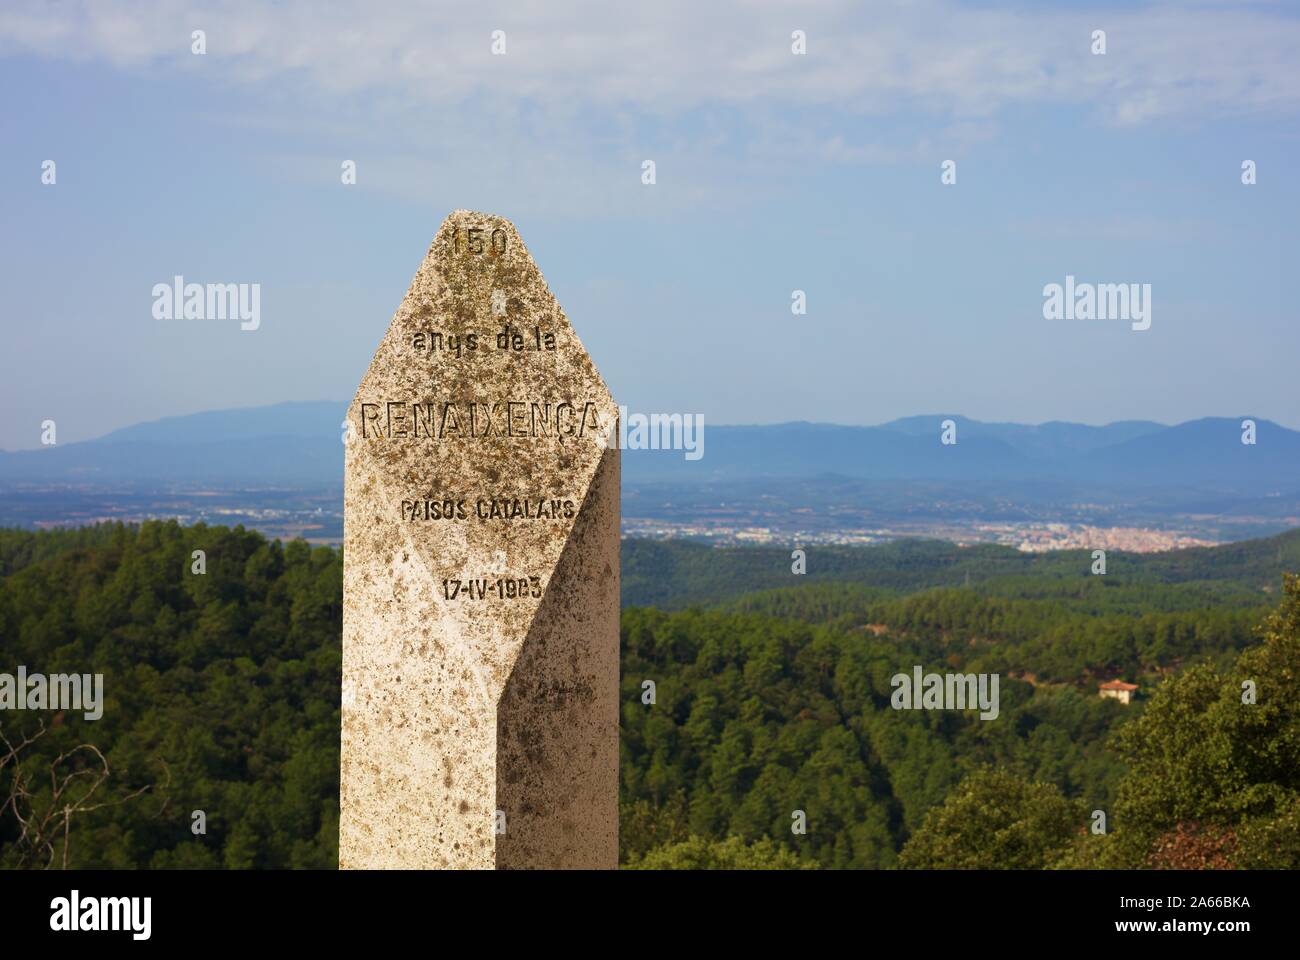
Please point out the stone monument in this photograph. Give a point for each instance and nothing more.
(481, 576)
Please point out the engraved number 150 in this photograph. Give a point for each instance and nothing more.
(473, 240)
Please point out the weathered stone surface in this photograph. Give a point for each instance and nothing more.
(481, 577)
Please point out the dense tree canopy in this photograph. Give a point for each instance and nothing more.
(994, 820)
(1218, 752)
(221, 689)
(757, 727)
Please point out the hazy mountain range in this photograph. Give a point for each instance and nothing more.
(301, 444)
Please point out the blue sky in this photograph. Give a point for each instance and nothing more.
(775, 172)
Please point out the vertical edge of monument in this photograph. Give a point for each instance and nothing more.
(557, 722)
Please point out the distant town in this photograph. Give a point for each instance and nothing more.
(317, 516)
(1029, 537)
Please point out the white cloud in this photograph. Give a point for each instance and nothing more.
(710, 91)
(675, 55)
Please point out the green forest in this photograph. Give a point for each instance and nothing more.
(769, 741)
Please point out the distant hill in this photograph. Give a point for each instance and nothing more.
(1202, 454)
(288, 443)
(300, 443)
(1053, 439)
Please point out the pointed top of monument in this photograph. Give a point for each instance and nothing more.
(478, 278)
(481, 422)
